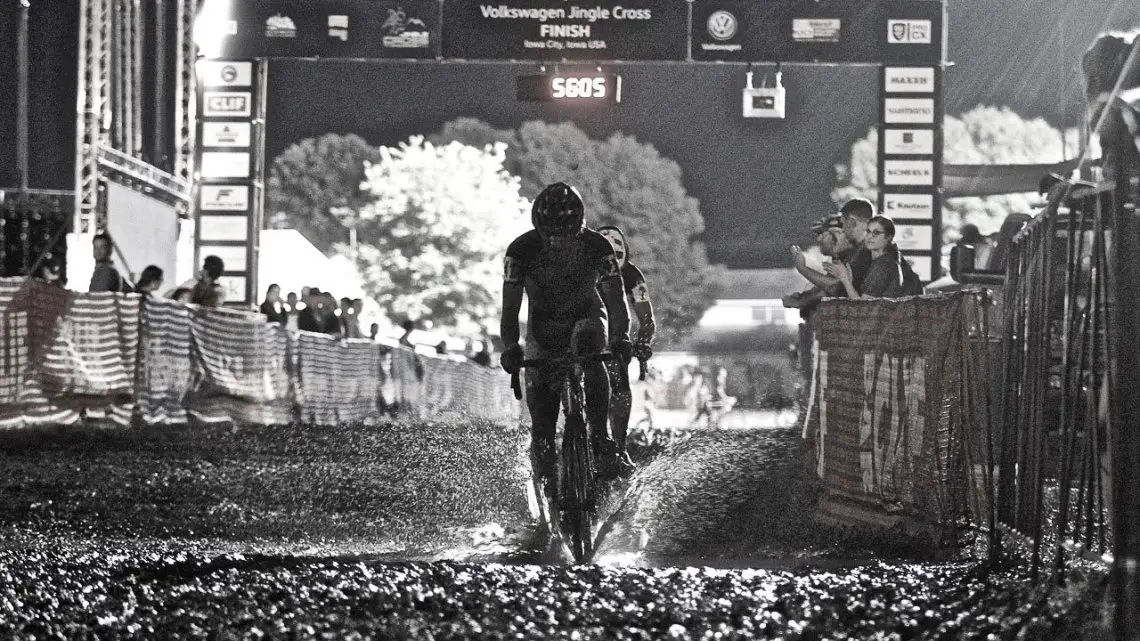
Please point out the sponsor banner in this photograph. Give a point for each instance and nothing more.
(908, 172)
(909, 141)
(798, 31)
(225, 164)
(914, 237)
(886, 370)
(913, 206)
(234, 286)
(234, 257)
(225, 73)
(908, 110)
(911, 31)
(223, 228)
(908, 80)
(226, 134)
(921, 266)
(561, 30)
(227, 104)
(334, 29)
(816, 30)
(224, 197)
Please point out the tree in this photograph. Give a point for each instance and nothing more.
(625, 183)
(433, 233)
(982, 136)
(315, 187)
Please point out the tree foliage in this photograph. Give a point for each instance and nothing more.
(315, 187)
(626, 183)
(982, 136)
(434, 230)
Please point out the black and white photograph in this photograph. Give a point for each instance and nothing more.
(691, 320)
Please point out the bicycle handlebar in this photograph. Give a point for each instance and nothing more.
(516, 385)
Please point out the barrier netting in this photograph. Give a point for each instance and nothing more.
(889, 414)
(66, 355)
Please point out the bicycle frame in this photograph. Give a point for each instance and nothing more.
(576, 497)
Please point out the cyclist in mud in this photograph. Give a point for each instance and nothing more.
(637, 293)
(573, 284)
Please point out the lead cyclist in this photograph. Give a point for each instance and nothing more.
(572, 281)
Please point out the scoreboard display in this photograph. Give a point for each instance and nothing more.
(586, 88)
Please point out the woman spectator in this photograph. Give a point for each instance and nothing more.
(272, 307)
(889, 276)
(182, 295)
(150, 280)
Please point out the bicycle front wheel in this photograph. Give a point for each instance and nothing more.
(578, 514)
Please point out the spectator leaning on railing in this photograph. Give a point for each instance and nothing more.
(105, 278)
(150, 281)
(272, 308)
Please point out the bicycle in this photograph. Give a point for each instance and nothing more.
(574, 506)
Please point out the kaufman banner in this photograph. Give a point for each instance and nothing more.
(558, 30)
(332, 29)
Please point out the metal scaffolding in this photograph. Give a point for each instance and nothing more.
(110, 104)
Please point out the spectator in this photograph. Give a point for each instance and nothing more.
(206, 291)
(150, 281)
(293, 308)
(889, 276)
(373, 331)
(483, 356)
(972, 236)
(833, 243)
(272, 307)
(105, 278)
(441, 348)
(51, 271)
(182, 295)
(406, 339)
(855, 215)
(349, 319)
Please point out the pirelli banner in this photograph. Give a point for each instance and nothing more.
(231, 146)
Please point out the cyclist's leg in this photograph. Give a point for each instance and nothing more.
(589, 339)
(543, 398)
(621, 401)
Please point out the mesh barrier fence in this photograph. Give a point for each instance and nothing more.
(66, 355)
(887, 426)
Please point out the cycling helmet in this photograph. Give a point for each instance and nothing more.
(558, 211)
(617, 241)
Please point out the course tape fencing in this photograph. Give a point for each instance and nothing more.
(65, 356)
(892, 414)
(888, 422)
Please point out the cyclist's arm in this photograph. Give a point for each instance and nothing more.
(512, 303)
(512, 299)
(613, 293)
(642, 307)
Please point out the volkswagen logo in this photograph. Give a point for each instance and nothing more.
(229, 73)
(722, 25)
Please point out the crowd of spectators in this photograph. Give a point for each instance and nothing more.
(312, 311)
(865, 261)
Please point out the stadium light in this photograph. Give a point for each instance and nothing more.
(211, 26)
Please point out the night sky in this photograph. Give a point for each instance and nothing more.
(758, 181)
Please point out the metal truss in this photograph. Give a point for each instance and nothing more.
(185, 90)
(109, 114)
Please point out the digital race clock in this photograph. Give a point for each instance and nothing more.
(570, 88)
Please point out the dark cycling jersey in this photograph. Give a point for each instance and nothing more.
(561, 284)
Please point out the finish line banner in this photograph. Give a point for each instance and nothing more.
(555, 31)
